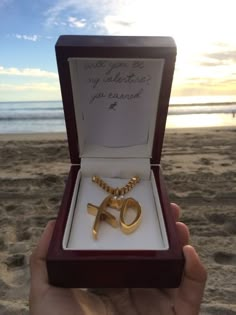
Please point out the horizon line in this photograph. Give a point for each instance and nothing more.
(170, 104)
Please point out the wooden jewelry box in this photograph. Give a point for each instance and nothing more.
(115, 93)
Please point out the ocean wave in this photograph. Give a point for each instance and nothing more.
(12, 109)
(184, 110)
(31, 116)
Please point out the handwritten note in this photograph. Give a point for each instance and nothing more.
(117, 98)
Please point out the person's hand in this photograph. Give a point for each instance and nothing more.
(48, 300)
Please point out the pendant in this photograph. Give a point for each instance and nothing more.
(118, 203)
(130, 203)
(102, 215)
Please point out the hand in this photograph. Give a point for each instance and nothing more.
(48, 300)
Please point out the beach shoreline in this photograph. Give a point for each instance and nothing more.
(44, 136)
(199, 167)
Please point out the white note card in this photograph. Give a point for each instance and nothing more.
(116, 98)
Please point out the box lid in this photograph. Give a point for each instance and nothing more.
(115, 92)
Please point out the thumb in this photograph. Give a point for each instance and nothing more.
(191, 291)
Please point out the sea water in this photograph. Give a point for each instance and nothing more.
(48, 116)
(31, 117)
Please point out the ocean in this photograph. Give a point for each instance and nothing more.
(31, 117)
(48, 116)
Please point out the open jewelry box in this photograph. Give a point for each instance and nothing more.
(115, 93)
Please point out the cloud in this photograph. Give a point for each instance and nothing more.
(49, 37)
(116, 24)
(28, 72)
(205, 86)
(4, 3)
(219, 62)
(191, 26)
(32, 38)
(221, 57)
(43, 86)
(210, 63)
(30, 91)
(74, 22)
(59, 12)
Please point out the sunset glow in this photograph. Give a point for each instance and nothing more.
(204, 32)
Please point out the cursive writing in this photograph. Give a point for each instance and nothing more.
(116, 80)
(129, 78)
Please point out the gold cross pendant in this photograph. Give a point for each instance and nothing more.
(102, 215)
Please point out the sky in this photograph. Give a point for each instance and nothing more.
(204, 32)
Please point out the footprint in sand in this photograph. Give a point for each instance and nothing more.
(217, 218)
(230, 226)
(222, 219)
(15, 260)
(205, 161)
(225, 164)
(3, 288)
(225, 258)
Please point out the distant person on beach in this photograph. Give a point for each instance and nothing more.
(48, 300)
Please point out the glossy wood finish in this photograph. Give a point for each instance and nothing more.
(115, 47)
(137, 268)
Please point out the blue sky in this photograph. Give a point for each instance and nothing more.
(204, 31)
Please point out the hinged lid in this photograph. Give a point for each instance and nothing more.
(115, 93)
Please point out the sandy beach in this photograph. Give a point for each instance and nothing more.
(200, 171)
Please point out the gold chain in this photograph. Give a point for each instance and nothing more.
(115, 200)
(116, 191)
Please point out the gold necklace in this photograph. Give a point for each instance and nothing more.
(116, 191)
(115, 200)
